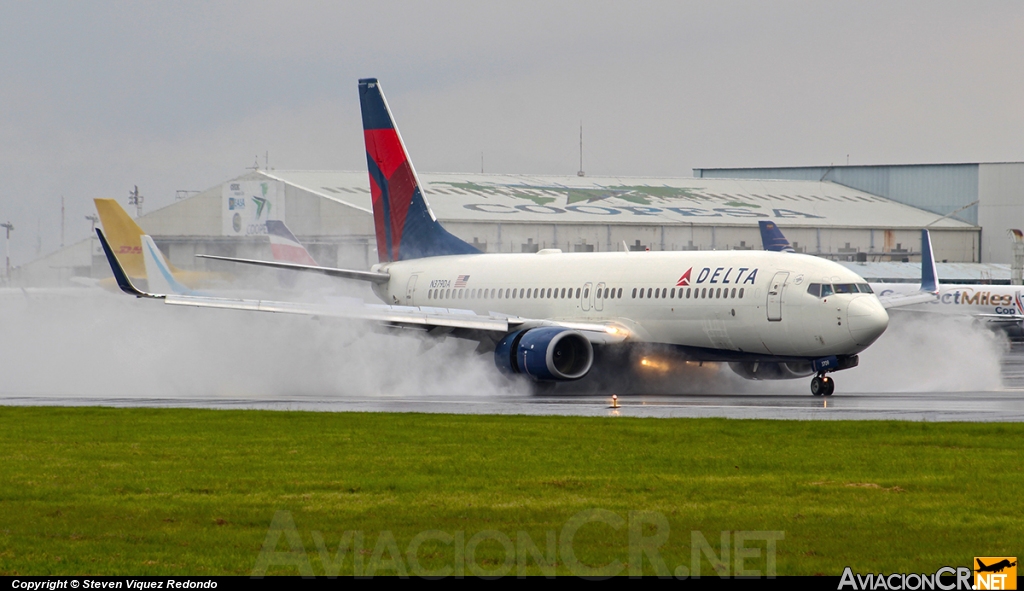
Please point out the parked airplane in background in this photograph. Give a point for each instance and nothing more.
(542, 315)
(125, 239)
(1001, 305)
(285, 247)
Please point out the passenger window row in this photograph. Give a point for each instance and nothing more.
(696, 293)
(823, 290)
(525, 293)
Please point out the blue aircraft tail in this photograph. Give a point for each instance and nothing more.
(404, 225)
(929, 276)
(772, 238)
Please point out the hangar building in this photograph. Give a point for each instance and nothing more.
(330, 212)
(989, 195)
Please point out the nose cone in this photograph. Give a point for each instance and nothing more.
(867, 319)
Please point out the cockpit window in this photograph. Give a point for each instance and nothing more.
(823, 290)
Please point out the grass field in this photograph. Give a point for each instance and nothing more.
(176, 491)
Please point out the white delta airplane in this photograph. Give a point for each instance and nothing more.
(1000, 306)
(554, 316)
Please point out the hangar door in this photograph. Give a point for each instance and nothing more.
(775, 296)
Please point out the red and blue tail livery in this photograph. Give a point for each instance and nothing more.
(285, 246)
(405, 227)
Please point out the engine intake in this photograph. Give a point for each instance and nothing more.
(548, 353)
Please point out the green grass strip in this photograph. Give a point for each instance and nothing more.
(181, 491)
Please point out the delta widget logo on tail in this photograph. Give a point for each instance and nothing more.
(724, 275)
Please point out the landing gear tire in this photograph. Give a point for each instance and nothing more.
(822, 386)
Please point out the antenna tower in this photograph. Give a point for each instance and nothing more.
(135, 199)
(581, 173)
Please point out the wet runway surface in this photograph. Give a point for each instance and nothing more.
(1006, 404)
(984, 406)
(916, 406)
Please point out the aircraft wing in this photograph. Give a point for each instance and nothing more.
(898, 301)
(329, 271)
(467, 322)
(395, 315)
(442, 321)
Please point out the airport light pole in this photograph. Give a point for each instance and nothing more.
(7, 248)
(92, 237)
(135, 199)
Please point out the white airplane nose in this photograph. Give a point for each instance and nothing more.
(867, 319)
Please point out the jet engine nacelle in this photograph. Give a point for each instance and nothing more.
(760, 370)
(548, 353)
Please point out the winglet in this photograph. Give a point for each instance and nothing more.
(929, 276)
(158, 274)
(772, 238)
(119, 275)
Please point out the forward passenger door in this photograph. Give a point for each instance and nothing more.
(775, 289)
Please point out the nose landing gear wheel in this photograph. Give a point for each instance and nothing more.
(822, 386)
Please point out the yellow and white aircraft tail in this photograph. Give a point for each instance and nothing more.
(124, 236)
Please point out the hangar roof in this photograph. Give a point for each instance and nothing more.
(469, 197)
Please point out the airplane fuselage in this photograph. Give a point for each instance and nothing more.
(746, 302)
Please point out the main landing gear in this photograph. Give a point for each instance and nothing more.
(822, 385)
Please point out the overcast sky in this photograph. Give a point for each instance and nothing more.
(96, 97)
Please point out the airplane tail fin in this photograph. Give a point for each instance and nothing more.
(123, 235)
(929, 276)
(285, 247)
(405, 226)
(772, 238)
(159, 278)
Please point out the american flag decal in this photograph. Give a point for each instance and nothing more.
(461, 281)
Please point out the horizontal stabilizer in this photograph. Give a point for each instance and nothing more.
(370, 276)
